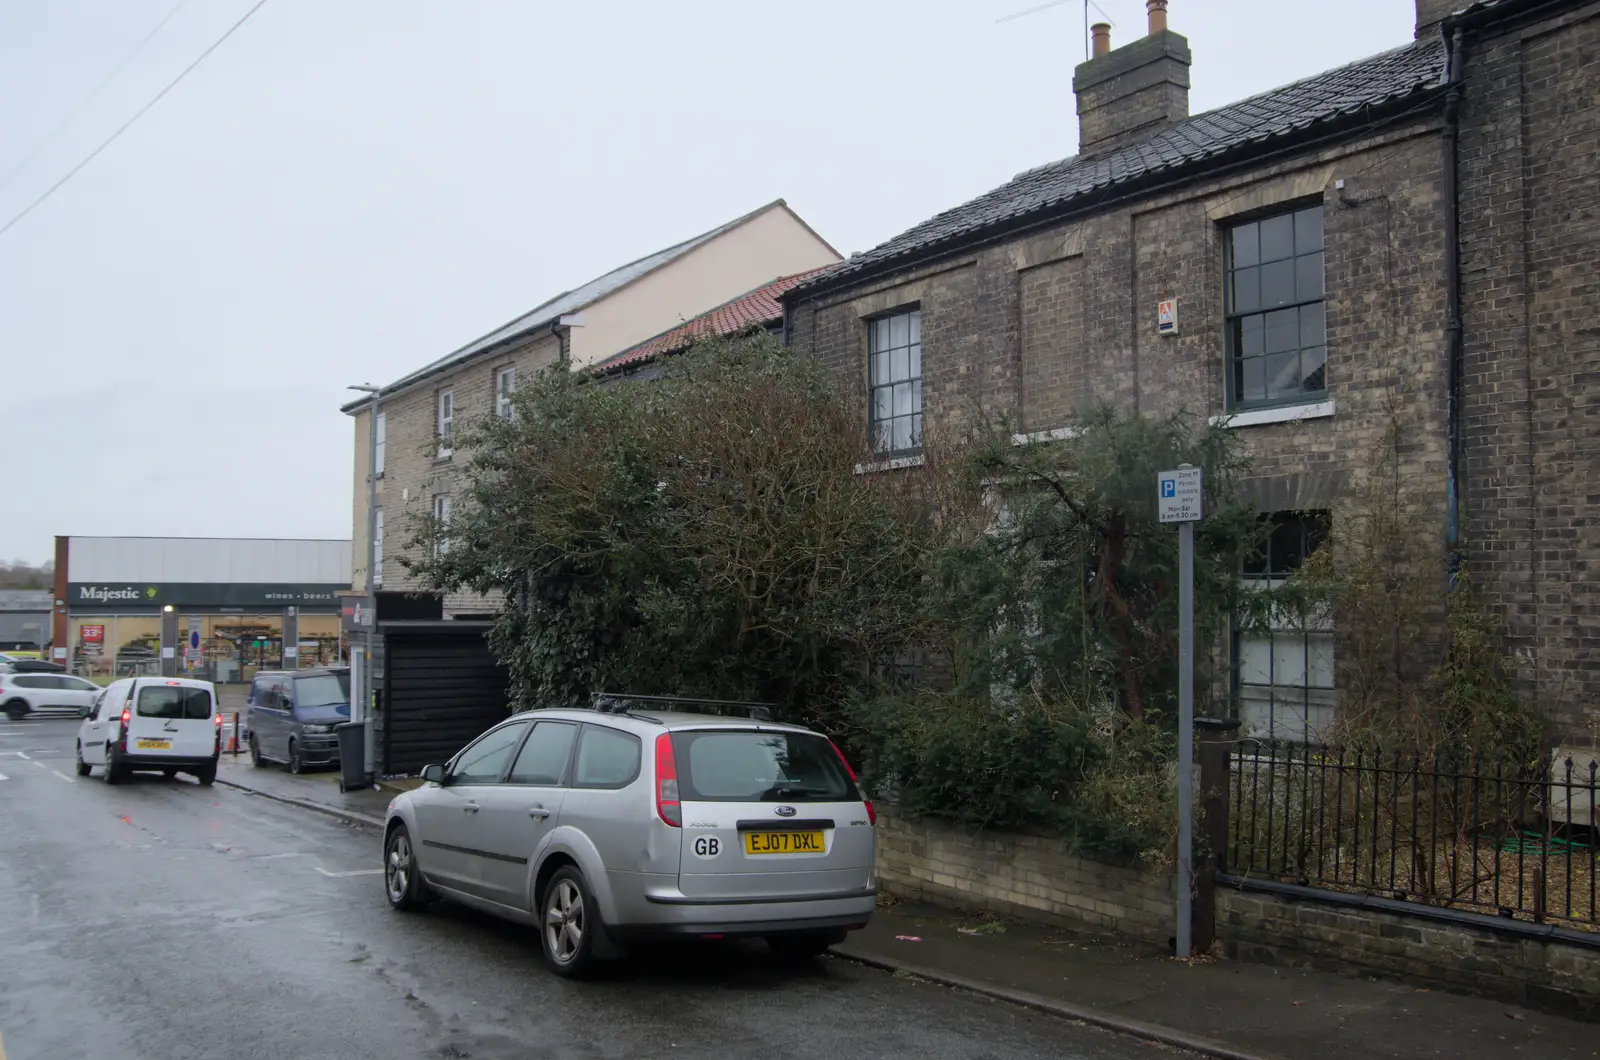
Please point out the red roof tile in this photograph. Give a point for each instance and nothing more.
(757, 308)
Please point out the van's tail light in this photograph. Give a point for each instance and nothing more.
(668, 808)
(872, 815)
(127, 716)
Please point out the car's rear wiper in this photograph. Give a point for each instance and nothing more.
(789, 791)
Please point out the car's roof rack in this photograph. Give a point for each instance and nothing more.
(627, 703)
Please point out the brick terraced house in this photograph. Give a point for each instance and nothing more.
(1401, 247)
(422, 413)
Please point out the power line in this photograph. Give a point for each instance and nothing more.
(126, 59)
(108, 141)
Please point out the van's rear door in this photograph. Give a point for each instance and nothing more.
(769, 814)
(172, 718)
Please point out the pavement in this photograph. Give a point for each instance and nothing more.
(1081, 985)
(1214, 1007)
(161, 919)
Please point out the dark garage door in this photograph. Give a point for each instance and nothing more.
(442, 687)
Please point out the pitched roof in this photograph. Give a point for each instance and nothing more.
(1345, 92)
(756, 308)
(568, 302)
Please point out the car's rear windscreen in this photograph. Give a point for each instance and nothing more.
(174, 701)
(751, 766)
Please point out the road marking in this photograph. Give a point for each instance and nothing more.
(269, 857)
(325, 872)
(62, 775)
(3, 777)
(20, 754)
(41, 765)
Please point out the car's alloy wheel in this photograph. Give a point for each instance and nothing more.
(255, 753)
(402, 882)
(83, 767)
(16, 710)
(296, 763)
(569, 924)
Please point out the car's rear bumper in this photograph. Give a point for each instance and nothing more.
(667, 911)
(737, 928)
(137, 762)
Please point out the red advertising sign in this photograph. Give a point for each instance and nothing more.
(94, 634)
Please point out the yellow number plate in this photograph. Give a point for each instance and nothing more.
(144, 743)
(784, 843)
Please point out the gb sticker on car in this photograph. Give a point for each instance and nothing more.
(707, 846)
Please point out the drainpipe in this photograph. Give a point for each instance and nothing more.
(1453, 332)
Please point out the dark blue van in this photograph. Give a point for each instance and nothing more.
(292, 714)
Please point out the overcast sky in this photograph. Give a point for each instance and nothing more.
(347, 189)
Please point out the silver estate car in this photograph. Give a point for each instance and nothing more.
(641, 819)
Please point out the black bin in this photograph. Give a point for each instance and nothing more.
(352, 756)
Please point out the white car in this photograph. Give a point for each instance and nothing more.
(152, 724)
(22, 694)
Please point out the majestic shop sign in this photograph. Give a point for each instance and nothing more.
(83, 595)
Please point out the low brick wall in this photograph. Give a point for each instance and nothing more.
(1033, 877)
(1542, 967)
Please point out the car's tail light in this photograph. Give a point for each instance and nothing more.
(668, 808)
(127, 715)
(872, 815)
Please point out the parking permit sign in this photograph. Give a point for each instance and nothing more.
(1178, 495)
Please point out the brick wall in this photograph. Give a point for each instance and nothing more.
(1530, 234)
(1034, 877)
(1545, 972)
(414, 474)
(1037, 327)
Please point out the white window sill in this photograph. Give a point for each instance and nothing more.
(1317, 410)
(1059, 434)
(892, 464)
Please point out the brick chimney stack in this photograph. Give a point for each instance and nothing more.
(1432, 12)
(1129, 93)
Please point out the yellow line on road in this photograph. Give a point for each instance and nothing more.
(2, 1047)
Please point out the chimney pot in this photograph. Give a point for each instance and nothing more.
(1157, 10)
(1101, 32)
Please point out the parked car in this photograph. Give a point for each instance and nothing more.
(152, 724)
(292, 714)
(643, 818)
(23, 693)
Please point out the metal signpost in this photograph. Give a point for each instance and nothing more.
(1178, 501)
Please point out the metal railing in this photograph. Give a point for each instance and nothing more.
(1515, 841)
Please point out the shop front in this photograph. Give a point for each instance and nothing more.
(222, 631)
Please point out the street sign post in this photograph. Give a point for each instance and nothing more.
(1179, 500)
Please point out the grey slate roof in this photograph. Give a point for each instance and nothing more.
(568, 302)
(1344, 92)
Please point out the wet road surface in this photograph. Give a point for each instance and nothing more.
(165, 920)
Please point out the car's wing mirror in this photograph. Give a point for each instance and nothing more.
(84, 712)
(433, 774)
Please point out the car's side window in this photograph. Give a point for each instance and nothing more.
(607, 758)
(484, 762)
(99, 707)
(543, 758)
(258, 693)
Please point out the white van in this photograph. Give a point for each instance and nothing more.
(152, 724)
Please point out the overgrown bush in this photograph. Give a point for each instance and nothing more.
(1096, 778)
(700, 534)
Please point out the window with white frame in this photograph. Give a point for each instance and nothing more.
(377, 547)
(894, 353)
(446, 422)
(1284, 674)
(505, 385)
(441, 517)
(381, 431)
